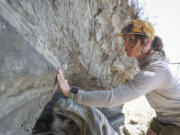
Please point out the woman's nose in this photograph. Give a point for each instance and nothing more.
(125, 43)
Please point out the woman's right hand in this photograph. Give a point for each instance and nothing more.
(63, 84)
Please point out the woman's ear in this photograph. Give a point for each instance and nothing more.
(148, 41)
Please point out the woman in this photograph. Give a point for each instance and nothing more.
(154, 80)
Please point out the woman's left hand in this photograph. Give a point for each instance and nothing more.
(63, 84)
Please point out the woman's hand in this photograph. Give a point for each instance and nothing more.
(63, 84)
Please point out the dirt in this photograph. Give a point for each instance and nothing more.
(138, 115)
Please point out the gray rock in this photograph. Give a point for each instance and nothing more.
(89, 119)
(76, 35)
(26, 82)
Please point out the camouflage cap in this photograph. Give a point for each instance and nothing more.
(138, 27)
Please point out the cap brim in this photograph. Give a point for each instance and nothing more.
(118, 35)
(122, 34)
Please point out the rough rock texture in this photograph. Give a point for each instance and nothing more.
(25, 83)
(90, 121)
(76, 35)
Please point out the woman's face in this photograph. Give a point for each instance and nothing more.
(133, 45)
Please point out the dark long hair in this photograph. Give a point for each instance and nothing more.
(156, 45)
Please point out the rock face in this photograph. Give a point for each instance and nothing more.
(26, 82)
(36, 37)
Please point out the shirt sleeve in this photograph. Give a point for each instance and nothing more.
(143, 83)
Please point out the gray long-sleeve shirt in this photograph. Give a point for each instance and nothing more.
(155, 80)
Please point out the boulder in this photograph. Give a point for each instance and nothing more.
(37, 37)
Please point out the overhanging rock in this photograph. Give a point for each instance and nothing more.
(76, 35)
